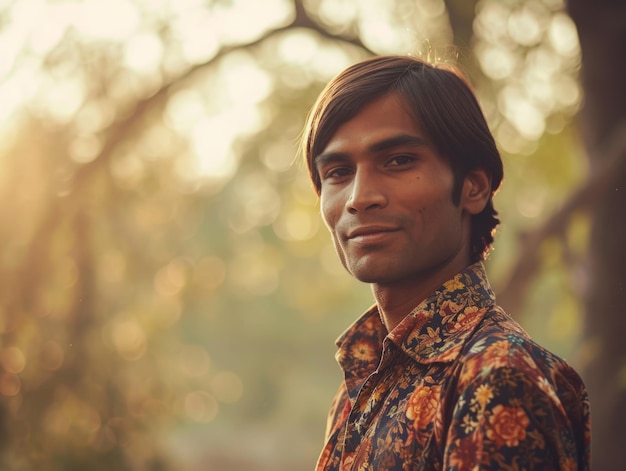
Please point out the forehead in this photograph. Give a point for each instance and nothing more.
(379, 119)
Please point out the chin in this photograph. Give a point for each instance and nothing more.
(374, 273)
(370, 276)
(376, 270)
(368, 279)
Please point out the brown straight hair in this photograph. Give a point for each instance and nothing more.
(441, 102)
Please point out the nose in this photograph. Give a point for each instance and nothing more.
(366, 193)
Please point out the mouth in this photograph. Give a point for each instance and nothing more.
(370, 234)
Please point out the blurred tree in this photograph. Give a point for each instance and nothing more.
(602, 32)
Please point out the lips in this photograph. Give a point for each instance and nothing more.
(370, 232)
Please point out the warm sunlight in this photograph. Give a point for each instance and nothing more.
(211, 122)
(532, 52)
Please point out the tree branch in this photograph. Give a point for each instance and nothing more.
(121, 129)
(513, 294)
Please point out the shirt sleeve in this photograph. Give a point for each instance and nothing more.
(338, 412)
(514, 418)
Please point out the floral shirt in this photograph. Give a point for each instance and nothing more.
(457, 385)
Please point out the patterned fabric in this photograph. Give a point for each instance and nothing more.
(457, 385)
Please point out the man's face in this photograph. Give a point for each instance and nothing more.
(386, 198)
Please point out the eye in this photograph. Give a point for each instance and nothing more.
(336, 173)
(398, 160)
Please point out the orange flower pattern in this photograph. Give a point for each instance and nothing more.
(507, 425)
(457, 385)
(422, 408)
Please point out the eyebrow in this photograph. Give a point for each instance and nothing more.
(379, 146)
(395, 141)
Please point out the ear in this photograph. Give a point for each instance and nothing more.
(476, 191)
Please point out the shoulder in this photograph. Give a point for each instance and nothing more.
(502, 369)
(524, 401)
(500, 351)
(501, 341)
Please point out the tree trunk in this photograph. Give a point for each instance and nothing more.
(602, 32)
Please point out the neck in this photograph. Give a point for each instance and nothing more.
(396, 300)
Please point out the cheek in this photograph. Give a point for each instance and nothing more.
(329, 213)
(330, 216)
(438, 212)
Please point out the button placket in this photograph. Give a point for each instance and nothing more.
(367, 403)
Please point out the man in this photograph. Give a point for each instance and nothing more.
(437, 376)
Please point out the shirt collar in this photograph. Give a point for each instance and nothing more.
(434, 331)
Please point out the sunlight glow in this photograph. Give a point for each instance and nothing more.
(184, 108)
(524, 115)
(249, 17)
(297, 224)
(337, 13)
(497, 63)
(13, 359)
(111, 20)
(199, 39)
(378, 29)
(432, 8)
(243, 81)
(256, 203)
(26, 16)
(491, 22)
(298, 47)
(170, 279)
(212, 140)
(129, 339)
(568, 91)
(21, 87)
(563, 35)
(127, 169)
(10, 384)
(328, 61)
(61, 98)
(198, 31)
(532, 49)
(94, 116)
(235, 113)
(52, 26)
(543, 63)
(201, 31)
(84, 149)
(541, 93)
(255, 271)
(524, 25)
(143, 52)
(278, 155)
(381, 36)
(509, 139)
